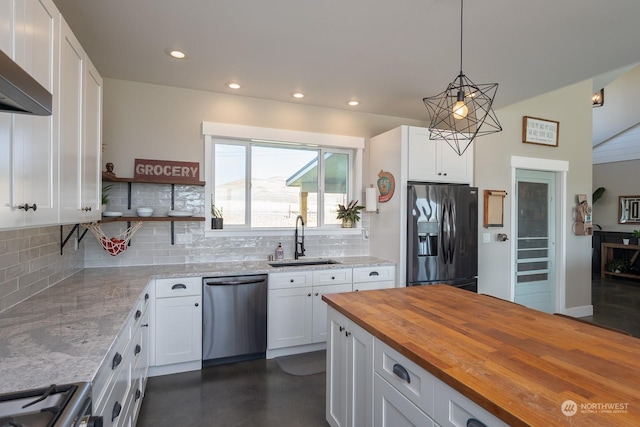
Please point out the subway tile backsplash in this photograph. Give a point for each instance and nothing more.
(30, 262)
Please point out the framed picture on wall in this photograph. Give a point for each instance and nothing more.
(540, 131)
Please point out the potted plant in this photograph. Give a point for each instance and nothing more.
(216, 217)
(105, 196)
(617, 265)
(349, 214)
(636, 234)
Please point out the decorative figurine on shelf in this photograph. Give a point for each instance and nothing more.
(110, 168)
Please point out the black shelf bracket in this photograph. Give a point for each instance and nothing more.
(64, 240)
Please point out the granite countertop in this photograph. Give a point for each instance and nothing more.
(62, 334)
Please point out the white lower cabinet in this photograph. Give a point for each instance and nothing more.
(393, 409)
(371, 384)
(121, 378)
(370, 278)
(290, 319)
(349, 373)
(176, 334)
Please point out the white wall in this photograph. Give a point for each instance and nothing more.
(572, 108)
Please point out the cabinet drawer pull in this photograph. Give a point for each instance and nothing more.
(317, 294)
(117, 407)
(401, 372)
(333, 277)
(26, 207)
(179, 286)
(138, 394)
(291, 280)
(146, 296)
(472, 422)
(117, 359)
(309, 294)
(138, 314)
(374, 273)
(341, 328)
(137, 350)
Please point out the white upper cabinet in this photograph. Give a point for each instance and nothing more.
(79, 141)
(29, 144)
(435, 161)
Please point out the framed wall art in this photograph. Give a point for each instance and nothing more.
(540, 131)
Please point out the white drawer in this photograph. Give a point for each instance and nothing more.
(102, 381)
(112, 407)
(392, 409)
(452, 409)
(418, 386)
(292, 279)
(178, 287)
(370, 286)
(374, 274)
(332, 277)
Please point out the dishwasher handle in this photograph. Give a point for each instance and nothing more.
(233, 281)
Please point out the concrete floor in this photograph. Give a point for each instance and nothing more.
(258, 393)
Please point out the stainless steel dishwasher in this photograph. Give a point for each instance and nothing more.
(234, 319)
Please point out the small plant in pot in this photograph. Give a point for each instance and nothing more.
(105, 196)
(216, 217)
(636, 234)
(349, 214)
(617, 265)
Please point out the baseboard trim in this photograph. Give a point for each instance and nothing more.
(175, 368)
(582, 311)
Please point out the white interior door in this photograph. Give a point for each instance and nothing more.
(535, 285)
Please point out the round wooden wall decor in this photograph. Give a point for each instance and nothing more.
(386, 186)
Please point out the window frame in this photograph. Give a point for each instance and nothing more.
(246, 135)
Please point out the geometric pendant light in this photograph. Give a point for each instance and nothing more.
(463, 111)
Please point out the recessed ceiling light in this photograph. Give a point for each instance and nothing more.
(298, 95)
(353, 103)
(176, 54)
(233, 86)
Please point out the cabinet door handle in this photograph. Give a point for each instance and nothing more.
(87, 209)
(138, 314)
(472, 422)
(333, 277)
(341, 328)
(374, 273)
(138, 394)
(137, 350)
(401, 372)
(179, 286)
(116, 360)
(291, 280)
(317, 294)
(117, 407)
(26, 207)
(309, 294)
(146, 297)
(347, 333)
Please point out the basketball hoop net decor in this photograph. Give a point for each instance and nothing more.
(117, 244)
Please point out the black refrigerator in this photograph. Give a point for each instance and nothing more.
(442, 235)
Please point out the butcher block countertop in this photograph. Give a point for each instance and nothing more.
(519, 364)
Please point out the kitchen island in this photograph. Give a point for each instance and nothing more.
(521, 366)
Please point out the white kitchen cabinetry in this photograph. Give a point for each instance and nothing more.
(435, 161)
(363, 372)
(29, 144)
(119, 385)
(392, 152)
(297, 314)
(350, 373)
(176, 333)
(369, 278)
(80, 89)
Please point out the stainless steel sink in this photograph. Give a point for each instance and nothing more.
(303, 262)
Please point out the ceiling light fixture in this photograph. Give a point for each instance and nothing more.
(298, 95)
(233, 85)
(176, 54)
(598, 98)
(353, 103)
(459, 113)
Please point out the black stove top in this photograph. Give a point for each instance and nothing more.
(56, 405)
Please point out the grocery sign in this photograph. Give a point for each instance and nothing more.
(165, 170)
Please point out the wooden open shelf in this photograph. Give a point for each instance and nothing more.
(151, 218)
(113, 178)
(606, 253)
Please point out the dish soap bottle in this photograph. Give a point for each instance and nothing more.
(279, 252)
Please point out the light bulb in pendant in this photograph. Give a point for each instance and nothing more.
(460, 109)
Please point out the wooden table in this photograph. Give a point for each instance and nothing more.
(519, 364)
(606, 253)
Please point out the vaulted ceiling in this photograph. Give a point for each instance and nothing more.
(386, 54)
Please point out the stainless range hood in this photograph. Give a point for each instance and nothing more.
(19, 92)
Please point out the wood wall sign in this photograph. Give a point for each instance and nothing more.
(163, 170)
(540, 131)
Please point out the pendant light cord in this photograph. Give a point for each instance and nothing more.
(461, 8)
